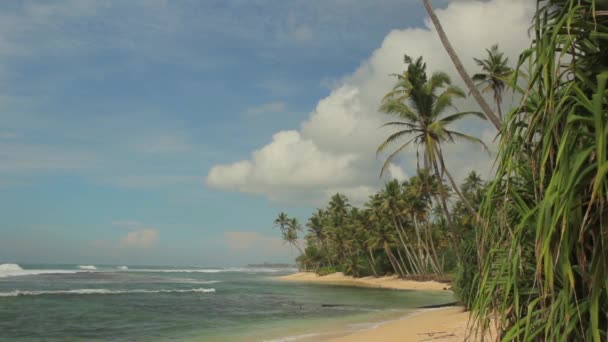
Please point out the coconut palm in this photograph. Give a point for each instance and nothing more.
(460, 68)
(290, 236)
(392, 205)
(316, 228)
(338, 207)
(420, 102)
(282, 221)
(495, 73)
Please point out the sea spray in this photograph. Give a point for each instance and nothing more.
(14, 270)
(17, 293)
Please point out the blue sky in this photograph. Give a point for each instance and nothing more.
(123, 123)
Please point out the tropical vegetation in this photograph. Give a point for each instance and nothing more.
(400, 230)
(528, 249)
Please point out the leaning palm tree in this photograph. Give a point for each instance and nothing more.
(495, 73)
(420, 102)
(290, 236)
(460, 68)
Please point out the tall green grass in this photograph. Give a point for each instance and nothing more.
(543, 271)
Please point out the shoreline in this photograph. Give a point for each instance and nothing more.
(445, 323)
(386, 282)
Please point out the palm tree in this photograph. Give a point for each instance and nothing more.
(460, 68)
(294, 224)
(391, 204)
(338, 206)
(315, 227)
(420, 102)
(473, 183)
(290, 236)
(282, 221)
(495, 72)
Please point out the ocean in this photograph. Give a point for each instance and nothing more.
(135, 303)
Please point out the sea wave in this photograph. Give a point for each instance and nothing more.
(87, 267)
(122, 268)
(214, 270)
(17, 293)
(14, 270)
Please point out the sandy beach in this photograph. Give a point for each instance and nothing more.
(381, 282)
(444, 324)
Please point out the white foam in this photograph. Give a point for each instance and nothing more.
(87, 267)
(10, 268)
(195, 281)
(122, 268)
(214, 270)
(14, 270)
(17, 293)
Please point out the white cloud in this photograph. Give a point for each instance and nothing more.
(140, 238)
(266, 108)
(334, 149)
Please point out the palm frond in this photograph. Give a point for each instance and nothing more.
(454, 117)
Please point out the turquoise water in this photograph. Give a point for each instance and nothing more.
(112, 303)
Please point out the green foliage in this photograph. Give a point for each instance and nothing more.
(328, 270)
(397, 232)
(543, 256)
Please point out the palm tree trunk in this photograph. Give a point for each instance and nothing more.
(430, 253)
(394, 261)
(498, 103)
(372, 262)
(403, 262)
(417, 262)
(446, 211)
(460, 68)
(422, 249)
(455, 186)
(401, 233)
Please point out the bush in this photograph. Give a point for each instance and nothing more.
(328, 270)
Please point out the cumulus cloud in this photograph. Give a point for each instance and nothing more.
(334, 149)
(141, 238)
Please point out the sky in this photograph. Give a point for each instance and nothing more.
(157, 132)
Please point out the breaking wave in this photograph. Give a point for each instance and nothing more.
(215, 270)
(14, 270)
(17, 293)
(87, 267)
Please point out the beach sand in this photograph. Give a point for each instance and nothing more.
(380, 282)
(442, 325)
(447, 324)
